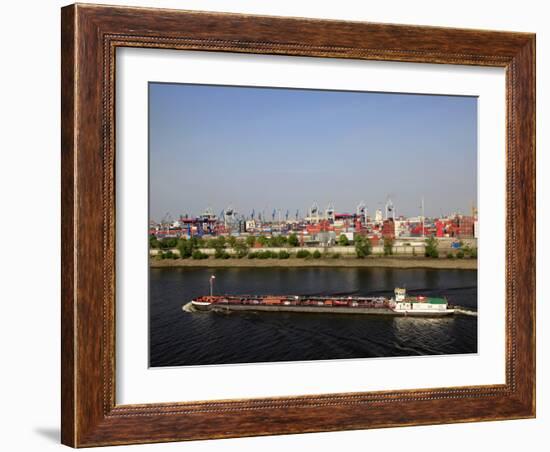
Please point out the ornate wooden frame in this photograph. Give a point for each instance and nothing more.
(90, 35)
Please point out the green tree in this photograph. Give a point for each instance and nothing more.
(293, 240)
(153, 242)
(251, 241)
(220, 253)
(219, 246)
(367, 246)
(302, 254)
(343, 240)
(168, 243)
(468, 251)
(169, 255)
(241, 248)
(232, 241)
(263, 240)
(388, 246)
(199, 255)
(284, 254)
(316, 254)
(431, 247)
(363, 246)
(186, 247)
(278, 241)
(198, 242)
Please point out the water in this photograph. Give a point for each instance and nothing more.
(179, 338)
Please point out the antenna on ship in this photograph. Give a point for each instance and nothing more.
(212, 278)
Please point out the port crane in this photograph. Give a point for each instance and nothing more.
(361, 211)
(166, 219)
(230, 217)
(314, 212)
(329, 212)
(390, 210)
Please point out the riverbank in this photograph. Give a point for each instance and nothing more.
(395, 262)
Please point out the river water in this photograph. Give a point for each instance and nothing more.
(179, 338)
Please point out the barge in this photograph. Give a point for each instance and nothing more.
(400, 304)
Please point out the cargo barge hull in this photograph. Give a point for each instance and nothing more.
(314, 309)
(400, 305)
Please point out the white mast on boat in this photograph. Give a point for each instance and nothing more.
(212, 278)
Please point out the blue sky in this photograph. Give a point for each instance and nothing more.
(272, 148)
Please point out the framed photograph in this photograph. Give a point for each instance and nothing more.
(281, 225)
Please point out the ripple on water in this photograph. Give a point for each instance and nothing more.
(180, 337)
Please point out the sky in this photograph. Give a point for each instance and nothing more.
(275, 148)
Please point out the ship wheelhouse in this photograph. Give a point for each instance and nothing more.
(420, 304)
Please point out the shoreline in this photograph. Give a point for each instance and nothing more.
(372, 262)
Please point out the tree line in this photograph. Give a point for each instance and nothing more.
(191, 248)
(222, 241)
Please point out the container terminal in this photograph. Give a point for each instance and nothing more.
(231, 234)
(317, 226)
